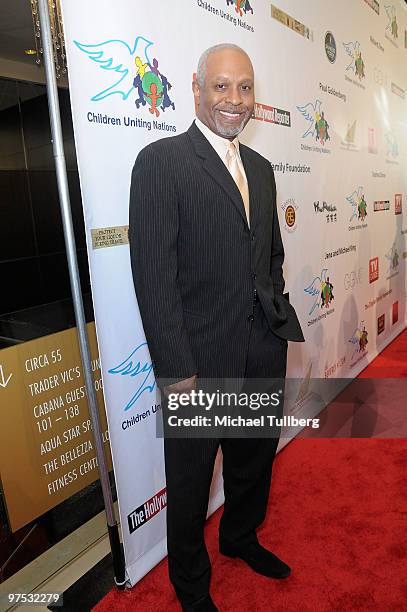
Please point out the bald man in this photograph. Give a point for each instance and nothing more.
(207, 258)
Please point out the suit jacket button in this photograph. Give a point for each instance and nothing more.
(250, 318)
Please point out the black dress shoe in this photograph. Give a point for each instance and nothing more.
(203, 605)
(259, 559)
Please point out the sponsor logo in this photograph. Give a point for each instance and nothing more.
(105, 237)
(398, 205)
(348, 143)
(373, 269)
(380, 205)
(134, 78)
(242, 7)
(376, 44)
(304, 389)
(392, 28)
(395, 312)
(380, 324)
(356, 65)
(291, 23)
(353, 279)
(378, 299)
(320, 291)
(330, 370)
(393, 260)
(341, 251)
(332, 91)
(398, 91)
(270, 114)
(374, 4)
(328, 210)
(392, 147)
(358, 207)
(284, 167)
(317, 124)
(379, 77)
(359, 341)
(148, 510)
(372, 140)
(290, 208)
(330, 47)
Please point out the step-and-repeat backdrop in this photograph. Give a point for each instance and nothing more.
(331, 116)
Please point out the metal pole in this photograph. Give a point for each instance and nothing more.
(63, 191)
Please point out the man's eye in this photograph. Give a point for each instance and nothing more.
(220, 86)
(246, 87)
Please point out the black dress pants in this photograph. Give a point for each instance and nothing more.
(247, 467)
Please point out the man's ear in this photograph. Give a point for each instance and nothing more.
(196, 92)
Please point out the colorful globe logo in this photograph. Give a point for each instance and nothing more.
(152, 87)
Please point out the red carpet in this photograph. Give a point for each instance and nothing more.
(391, 363)
(337, 515)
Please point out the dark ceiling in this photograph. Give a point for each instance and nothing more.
(16, 30)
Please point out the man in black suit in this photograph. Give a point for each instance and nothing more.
(207, 256)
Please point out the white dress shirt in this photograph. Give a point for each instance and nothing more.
(220, 144)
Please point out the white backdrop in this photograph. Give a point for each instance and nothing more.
(330, 116)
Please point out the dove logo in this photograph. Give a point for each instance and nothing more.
(359, 342)
(317, 128)
(320, 290)
(393, 260)
(138, 367)
(392, 28)
(356, 66)
(133, 76)
(358, 205)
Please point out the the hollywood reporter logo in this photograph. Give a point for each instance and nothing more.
(148, 510)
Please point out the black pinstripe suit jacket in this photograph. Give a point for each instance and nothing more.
(196, 262)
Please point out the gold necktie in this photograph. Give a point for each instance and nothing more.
(234, 169)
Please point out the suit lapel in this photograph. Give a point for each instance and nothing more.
(214, 166)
